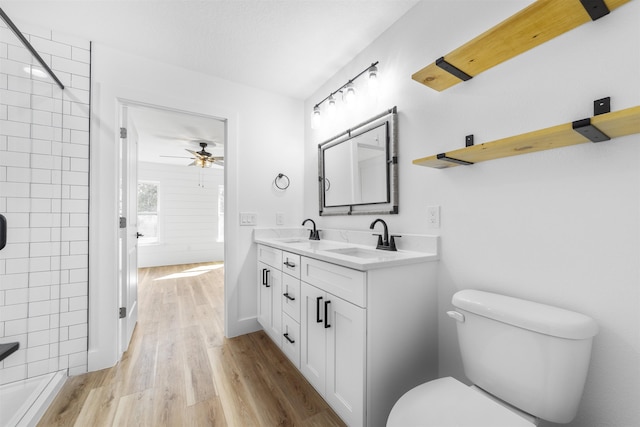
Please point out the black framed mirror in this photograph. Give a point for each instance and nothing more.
(358, 169)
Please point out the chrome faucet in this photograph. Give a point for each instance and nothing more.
(383, 240)
(313, 234)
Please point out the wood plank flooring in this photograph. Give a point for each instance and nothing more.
(180, 370)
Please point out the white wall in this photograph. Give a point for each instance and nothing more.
(559, 227)
(264, 138)
(188, 219)
(44, 191)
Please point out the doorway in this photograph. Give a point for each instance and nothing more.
(179, 183)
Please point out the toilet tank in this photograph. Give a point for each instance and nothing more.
(533, 356)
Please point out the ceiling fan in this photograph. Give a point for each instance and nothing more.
(203, 159)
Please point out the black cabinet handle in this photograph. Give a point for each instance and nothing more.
(266, 283)
(289, 297)
(289, 339)
(318, 319)
(326, 314)
(3, 231)
(289, 264)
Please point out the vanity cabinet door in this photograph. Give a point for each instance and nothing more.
(333, 351)
(269, 301)
(345, 377)
(313, 345)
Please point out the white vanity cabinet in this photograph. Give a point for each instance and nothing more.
(279, 298)
(269, 290)
(362, 334)
(333, 351)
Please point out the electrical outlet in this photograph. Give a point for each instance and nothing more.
(279, 218)
(433, 216)
(248, 218)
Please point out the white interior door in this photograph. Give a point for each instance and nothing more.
(128, 230)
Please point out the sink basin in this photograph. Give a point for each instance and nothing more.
(362, 253)
(294, 240)
(313, 244)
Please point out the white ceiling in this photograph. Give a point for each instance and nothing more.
(164, 135)
(285, 46)
(289, 47)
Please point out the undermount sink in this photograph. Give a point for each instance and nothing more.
(362, 253)
(313, 244)
(294, 240)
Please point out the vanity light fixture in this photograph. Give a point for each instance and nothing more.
(316, 119)
(348, 92)
(373, 78)
(332, 105)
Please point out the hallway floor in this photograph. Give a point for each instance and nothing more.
(179, 369)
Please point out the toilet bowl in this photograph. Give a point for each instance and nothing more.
(446, 402)
(527, 361)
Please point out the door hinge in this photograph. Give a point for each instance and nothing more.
(123, 133)
(123, 222)
(123, 312)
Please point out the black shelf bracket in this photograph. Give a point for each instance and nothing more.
(595, 8)
(589, 131)
(451, 69)
(602, 106)
(443, 156)
(468, 140)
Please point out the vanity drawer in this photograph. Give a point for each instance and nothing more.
(291, 339)
(291, 264)
(291, 296)
(340, 281)
(270, 256)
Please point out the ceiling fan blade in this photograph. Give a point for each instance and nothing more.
(195, 153)
(192, 164)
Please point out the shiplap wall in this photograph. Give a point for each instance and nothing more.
(44, 191)
(188, 218)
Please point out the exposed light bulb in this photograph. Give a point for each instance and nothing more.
(350, 93)
(316, 118)
(331, 109)
(373, 77)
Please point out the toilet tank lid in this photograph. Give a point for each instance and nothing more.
(533, 316)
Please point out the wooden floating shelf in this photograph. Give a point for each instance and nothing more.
(532, 26)
(613, 125)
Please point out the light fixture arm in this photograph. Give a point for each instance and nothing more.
(345, 85)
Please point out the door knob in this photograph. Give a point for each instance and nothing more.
(138, 235)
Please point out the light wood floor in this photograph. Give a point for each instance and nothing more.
(180, 370)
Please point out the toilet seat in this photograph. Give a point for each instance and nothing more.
(446, 402)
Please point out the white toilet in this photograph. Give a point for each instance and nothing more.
(527, 361)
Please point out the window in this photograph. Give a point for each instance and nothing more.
(148, 212)
(220, 213)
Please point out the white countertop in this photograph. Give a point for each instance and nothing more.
(351, 255)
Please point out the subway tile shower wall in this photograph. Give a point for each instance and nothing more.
(44, 194)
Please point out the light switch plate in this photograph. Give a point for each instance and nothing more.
(279, 218)
(433, 216)
(248, 218)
